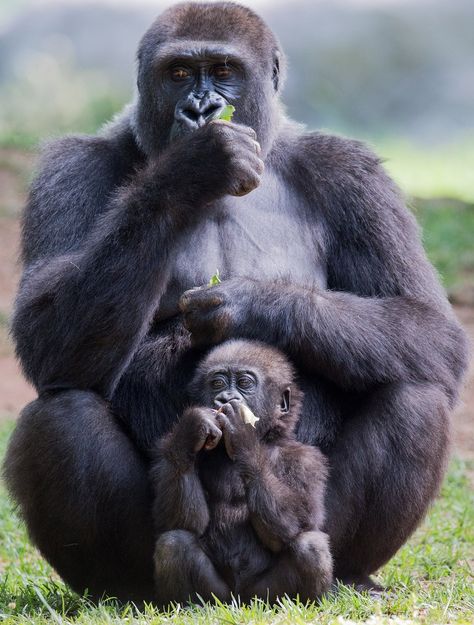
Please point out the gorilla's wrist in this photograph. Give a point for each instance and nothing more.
(248, 460)
(177, 453)
(200, 182)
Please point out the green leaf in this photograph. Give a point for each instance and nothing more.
(227, 113)
(215, 279)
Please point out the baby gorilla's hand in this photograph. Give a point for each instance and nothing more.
(240, 438)
(197, 429)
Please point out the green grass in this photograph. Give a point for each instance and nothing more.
(430, 580)
(445, 170)
(448, 237)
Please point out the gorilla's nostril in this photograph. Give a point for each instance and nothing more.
(211, 111)
(192, 115)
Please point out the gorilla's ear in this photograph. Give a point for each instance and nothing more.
(285, 401)
(276, 70)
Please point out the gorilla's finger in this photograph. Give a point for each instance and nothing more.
(231, 410)
(213, 437)
(203, 297)
(258, 148)
(224, 422)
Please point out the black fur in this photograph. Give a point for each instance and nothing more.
(239, 509)
(321, 259)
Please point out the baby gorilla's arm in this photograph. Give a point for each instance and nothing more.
(179, 498)
(183, 572)
(284, 482)
(285, 489)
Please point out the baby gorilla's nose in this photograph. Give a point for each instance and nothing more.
(225, 397)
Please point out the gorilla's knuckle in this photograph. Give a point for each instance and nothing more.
(258, 167)
(249, 131)
(211, 300)
(221, 129)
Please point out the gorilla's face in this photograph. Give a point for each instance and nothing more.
(197, 58)
(198, 86)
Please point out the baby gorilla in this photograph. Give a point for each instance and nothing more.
(240, 506)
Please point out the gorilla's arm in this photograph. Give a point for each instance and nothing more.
(180, 501)
(383, 317)
(284, 480)
(99, 243)
(74, 324)
(285, 488)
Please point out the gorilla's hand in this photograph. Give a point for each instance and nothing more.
(240, 438)
(240, 154)
(213, 314)
(221, 158)
(197, 429)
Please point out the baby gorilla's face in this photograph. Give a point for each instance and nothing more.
(225, 384)
(247, 385)
(249, 372)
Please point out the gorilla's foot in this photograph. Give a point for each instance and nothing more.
(363, 583)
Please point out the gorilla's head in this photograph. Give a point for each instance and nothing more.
(195, 59)
(256, 374)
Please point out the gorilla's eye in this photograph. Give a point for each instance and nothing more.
(180, 73)
(245, 382)
(217, 384)
(222, 72)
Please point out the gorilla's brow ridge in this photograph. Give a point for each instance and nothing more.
(198, 50)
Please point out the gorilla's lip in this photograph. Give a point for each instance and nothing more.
(182, 125)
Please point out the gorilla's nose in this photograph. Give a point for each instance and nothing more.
(198, 109)
(224, 398)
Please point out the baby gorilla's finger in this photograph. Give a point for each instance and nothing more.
(223, 422)
(231, 410)
(213, 437)
(227, 431)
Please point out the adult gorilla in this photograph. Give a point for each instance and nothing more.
(321, 259)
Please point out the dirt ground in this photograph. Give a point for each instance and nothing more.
(15, 392)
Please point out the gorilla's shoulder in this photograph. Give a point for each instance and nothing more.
(334, 159)
(346, 177)
(75, 179)
(86, 157)
(74, 155)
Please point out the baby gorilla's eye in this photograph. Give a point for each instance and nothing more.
(245, 382)
(222, 72)
(217, 384)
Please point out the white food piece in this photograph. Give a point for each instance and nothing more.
(248, 416)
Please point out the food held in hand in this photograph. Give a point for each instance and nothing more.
(248, 416)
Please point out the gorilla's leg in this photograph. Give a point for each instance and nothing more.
(83, 492)
(385, 470)
(183, 572)
(304, 569)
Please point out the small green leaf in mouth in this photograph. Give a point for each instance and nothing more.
(227, 113)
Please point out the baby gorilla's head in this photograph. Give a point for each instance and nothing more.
(255, 374)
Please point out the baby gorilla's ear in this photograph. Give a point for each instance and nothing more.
(285, 401)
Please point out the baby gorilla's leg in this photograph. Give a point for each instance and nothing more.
(303, 569)
(183, 572)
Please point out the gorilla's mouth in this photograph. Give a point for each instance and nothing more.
(196, 110)
(188, 120)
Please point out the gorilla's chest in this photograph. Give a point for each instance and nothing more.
(264, 234)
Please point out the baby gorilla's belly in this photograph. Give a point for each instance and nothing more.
(234, 548)
(230, 540)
